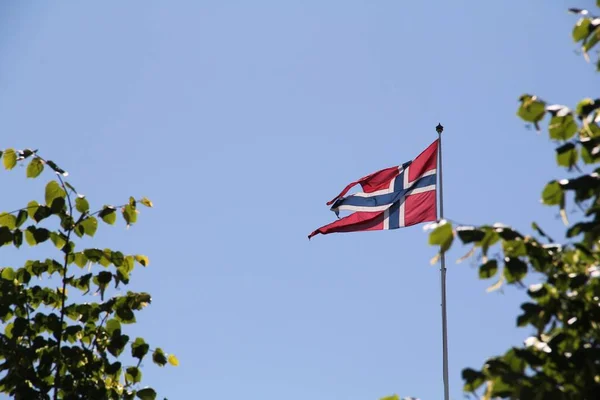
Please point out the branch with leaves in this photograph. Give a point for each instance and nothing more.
(561, 358)
(60, 347)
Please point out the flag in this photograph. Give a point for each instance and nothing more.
(392, 198)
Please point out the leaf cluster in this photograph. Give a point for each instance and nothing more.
(561, 358)
(55, 342)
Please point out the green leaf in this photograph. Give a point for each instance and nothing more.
(57, 206)
(8, 220)
(590, 149)
(562, 127)
(514, 269)
(532, 109)
(108, 215)
(56, 168)
(117, 258)
(41, 213)
(470, 234)
(146, 201)
(473, 379)
(80, 259)
(139, 348)
(17, 238)
(552, 194)
(23, 276)
(491, 238)
(539, 230)
(9, 159)
(35, 168)
(21, 218)
(129, 214)
(125, 315)
(112, 325)
(6, 236)
(67, 184)
(35, 235)
(567, 155)
(173, 360)
(81, 204)
(133, 374)
(32, 207)
(8, 274)
(58, 240)
(106, 259)
(8, 330)
(117, 343)
(581, 30)
(488, 269)
(159, 357)
(128, 263)
(514, 248)
(145, 261)
(146, 394)
(442, 236)
(90, 225)
(103, 277)
(392, 397)
(53, 191)
(94, 255)
(591, 40)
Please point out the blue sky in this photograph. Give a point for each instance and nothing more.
(240, 120)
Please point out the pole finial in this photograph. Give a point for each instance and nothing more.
(439, 128)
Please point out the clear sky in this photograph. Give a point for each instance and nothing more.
(240, 119)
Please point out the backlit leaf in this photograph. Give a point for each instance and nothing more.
(35, 168)
(90, 225)
(8, 220)
(146, 201)
(81, 204)
(32, 207)
(581, 29)
(58, 240)
(9, 159)
(108, 215)
(552, 194)
(567, 155)
(129, 214)
(532, 109)
(112, 325)
(53, 190)
(80, 259)
(173, 360)
(142, 260)
(562, 127)
(8, 274)
(442, 236)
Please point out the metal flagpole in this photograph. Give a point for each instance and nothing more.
(439, 128)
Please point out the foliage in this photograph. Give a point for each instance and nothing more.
(56, 344)
(561, 360)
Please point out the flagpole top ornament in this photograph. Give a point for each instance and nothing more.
(439, 128)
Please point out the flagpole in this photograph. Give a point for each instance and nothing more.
(439, 128)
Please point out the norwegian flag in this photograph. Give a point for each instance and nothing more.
(392, 198)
